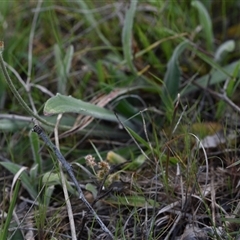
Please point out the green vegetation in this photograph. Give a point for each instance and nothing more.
(141, 98)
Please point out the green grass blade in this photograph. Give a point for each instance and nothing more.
(124, 107)
(92, 21)
(127, 35)
(135, 201)
(138, 138)
(100, 71)
(143, 38)
(4, 231)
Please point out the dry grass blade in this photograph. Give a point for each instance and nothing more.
(65, 191)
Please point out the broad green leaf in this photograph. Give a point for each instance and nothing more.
(136, 163)
(34, 172)
(51, 179)
(127, 34)
(124, 107)
(48, 194)
(221, 108)
(211, 62)
(205, 22)
(35, 146)
(165, 158)
(26, 180)
(217, 75)
(68, 59)
(67, 104)
(59, 69)
(11, 125)
(115, 158)
(232, 85)
(231, 220)
(234, 81)
(92, 188)
(172, 76)
(223, 50)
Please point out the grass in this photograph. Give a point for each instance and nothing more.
(143, 89)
